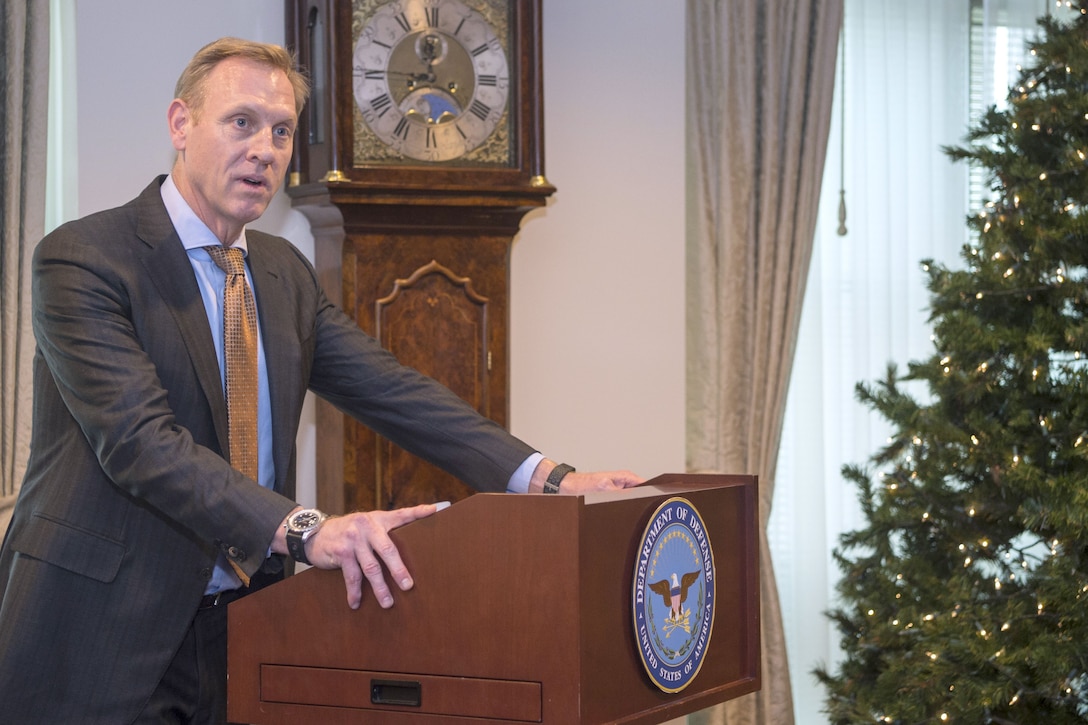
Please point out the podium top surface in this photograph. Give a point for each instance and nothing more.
(668, 484)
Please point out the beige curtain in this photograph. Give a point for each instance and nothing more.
(760, 82)
(24, 53)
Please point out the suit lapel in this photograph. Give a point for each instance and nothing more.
(279, 332)
(169, 269)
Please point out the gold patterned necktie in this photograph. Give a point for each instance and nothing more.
(240, 358)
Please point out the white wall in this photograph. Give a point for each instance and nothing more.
(597, 291)
(598, 286)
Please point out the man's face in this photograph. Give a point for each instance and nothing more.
(232, 156)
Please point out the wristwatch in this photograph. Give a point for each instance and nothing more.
(300, 527)
(551, 485)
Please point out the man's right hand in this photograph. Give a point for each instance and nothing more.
(358, 544)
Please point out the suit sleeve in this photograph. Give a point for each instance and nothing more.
(353, 372)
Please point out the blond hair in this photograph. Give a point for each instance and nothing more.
(190, 86)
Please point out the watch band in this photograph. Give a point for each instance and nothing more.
(296, 547)
(551, 485)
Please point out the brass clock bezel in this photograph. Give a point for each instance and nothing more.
(385, 135)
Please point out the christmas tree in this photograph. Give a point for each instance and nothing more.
(964, 597)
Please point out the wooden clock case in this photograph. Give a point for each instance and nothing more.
(418, 254)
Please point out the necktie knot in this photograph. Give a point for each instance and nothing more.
(229, 259)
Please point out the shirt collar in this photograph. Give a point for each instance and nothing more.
(194, 233)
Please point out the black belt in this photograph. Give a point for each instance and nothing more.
(220, 599)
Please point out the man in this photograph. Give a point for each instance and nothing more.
(132, 530)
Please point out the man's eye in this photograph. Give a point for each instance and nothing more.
(241, 122)
(283, 132)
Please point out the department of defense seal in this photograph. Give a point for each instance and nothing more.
(673, 599)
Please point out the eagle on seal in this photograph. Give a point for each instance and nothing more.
(675, 593)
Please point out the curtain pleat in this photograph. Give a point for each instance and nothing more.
(760, 88)
(24, 92)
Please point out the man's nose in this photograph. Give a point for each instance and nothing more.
(263, 146)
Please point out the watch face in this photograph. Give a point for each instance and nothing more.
(305, 520)
(431, 81)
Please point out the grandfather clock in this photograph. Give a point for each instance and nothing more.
(419, 154)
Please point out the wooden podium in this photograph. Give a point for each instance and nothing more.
(521, 613)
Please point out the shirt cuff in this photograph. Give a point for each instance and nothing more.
(519, 482)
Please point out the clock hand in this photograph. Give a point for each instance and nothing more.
(428, 77)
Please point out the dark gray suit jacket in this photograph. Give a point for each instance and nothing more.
(128, 498)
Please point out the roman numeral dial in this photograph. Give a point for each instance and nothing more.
(431, 78)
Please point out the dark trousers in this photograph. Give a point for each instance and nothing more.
(194, 689)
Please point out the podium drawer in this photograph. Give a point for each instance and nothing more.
(409, 693)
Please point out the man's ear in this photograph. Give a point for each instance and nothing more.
(179, 117)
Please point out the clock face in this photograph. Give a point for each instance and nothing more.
(431, 82)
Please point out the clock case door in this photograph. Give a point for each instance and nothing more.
(418, 254)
